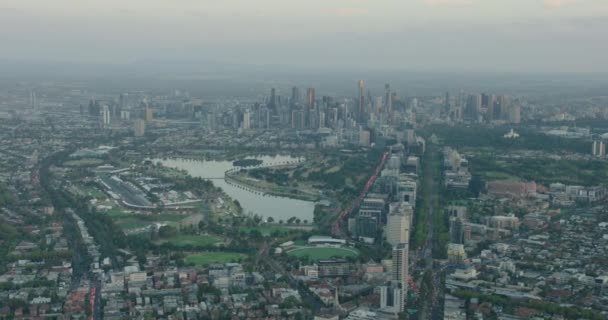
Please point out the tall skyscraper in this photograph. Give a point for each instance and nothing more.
(139, 127)
(388, 103)
(456, 230)
(500, 110)
(473, 106)
(598, 148)
(392, 298)
(273, 99)
(295, 96)
(515, 112)
(105, 116)
(400, 260)
(122, 100)
(487, 103)
(447, 104)
(246, 120)
(310, 98)
(360, 110)
(398, 227)
(33, 100)
(149, 113)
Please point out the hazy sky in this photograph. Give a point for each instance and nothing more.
(451, 35)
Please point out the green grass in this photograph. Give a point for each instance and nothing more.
(189, 240)
(94, 192)
(117, 213)
(131, 223)
(205, 258)
(323, 253)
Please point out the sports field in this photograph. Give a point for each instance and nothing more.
(320, 253)
(205, 258)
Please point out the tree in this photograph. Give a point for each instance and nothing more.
(167, 232)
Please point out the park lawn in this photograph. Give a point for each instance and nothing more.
(94, 192)
(205, 258)
(131, 223)
(118, 213)
(320, 253)
(192, 240)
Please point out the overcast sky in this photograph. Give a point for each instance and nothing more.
(434, 35)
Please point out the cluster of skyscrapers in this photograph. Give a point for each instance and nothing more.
(310, 112)
(109, 111)
(482, 107)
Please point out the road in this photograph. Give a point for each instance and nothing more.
(430, 308)
(307, 297)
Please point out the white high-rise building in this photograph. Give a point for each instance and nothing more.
(247, 120)
(400, 270)
(598, 148)
(394, 162)
(33, 100)
(105, 116)
(398, 224)
(391, 298)
(139, 127)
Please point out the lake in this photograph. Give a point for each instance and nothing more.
(279, 208)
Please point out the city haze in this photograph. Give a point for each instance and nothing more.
(417, 35)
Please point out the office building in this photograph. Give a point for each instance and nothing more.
(366, 226)
(400, 260)
(388, 101)
(515, 113)
(295, 96)
(149, 114)
(33, 100)
(273, 99)
(391, 298)
(105, 116)
(456, 230)
(364, 138)
(598, 148)
(246, 125)
(139, 127)
(360, 109)
(333, 268)
(398, 223)
(310, 98)
(473, 107)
